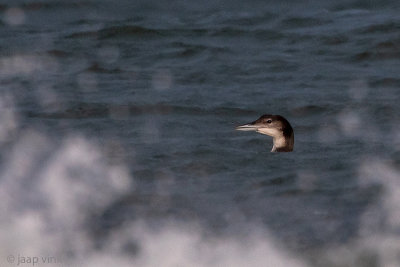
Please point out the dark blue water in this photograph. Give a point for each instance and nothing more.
(158, 88)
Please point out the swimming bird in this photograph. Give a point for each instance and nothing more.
(277, 127)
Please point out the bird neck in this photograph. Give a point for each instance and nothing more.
(283, 143)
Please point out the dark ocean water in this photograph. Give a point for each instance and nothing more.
(158, 88)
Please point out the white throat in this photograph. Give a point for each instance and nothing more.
(281, 143)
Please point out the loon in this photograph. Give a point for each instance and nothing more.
(277, 127)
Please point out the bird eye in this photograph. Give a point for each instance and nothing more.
(269, 121)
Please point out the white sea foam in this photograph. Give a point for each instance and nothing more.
(50, 189)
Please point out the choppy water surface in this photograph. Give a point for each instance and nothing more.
(118, 143)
